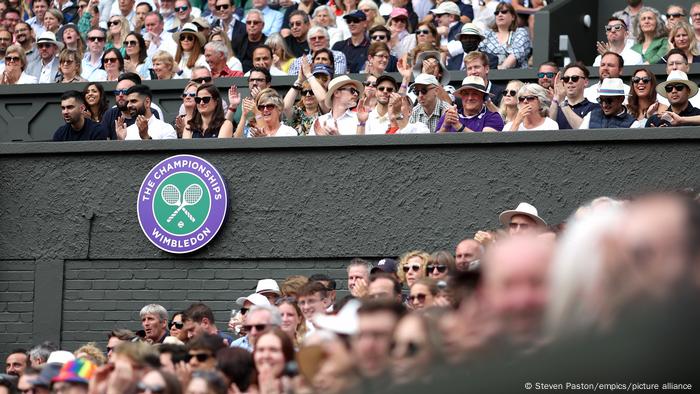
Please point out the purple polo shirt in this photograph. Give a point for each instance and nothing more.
(478, 122)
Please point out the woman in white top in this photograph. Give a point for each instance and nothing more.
(323, 16)
(267, 107)
(15, 64)
(136, 60)
(190, 49)
(533, 106)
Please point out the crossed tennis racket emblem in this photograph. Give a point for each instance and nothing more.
(171, 196)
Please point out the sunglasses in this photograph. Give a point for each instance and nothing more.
(420, 297)
(113, 23)
(186, 37)
(181, 9)
(96, 39)
(222, 7)
(202, 80)
(11, 59)
(201, 357)
(258, 327)
(415, 268)
(677, 86)
(155, 389)
(317, 38)
(641, 79)
(119, 92)
(675, 15)
(353, 21)
(177, 324)
(422, 91)
(244, 311)
(200, 100)
(387, 89)
(610, 28)
(526, 98)
(378, 37)
(130, 43)
(370, 84)
(440, 267)
(351, 90)
(295, 24)
(110, 60)
(502, 12)
(44, 46)
(67, 61)
(266, 107)
(253, 23)
(511, 93)
(603, 100)
(191, 95)
(549, 75)
(308, 92)
(573, 78)
(422, 32)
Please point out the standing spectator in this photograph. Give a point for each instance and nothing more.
(201, 352)
(533, 107)
(682, 38)
(299, 24)
(371, 345)
(546, 74)
(384, 285)
(77, 127)
(355, 48)
(136, 59)
(318, 39)
(343, 94)
(92, 61)
(69, 67)
(46, 69)
(610, 66)
(674, 13)
(629, 13)
(678, 90)
(611, 113)
(313, 299)
(617, 33)
(215, 55)
(159, 39)
(254, 28)
(74, 377)
(524, 219)
(190, 49)
(642, 102)
(651, 35)
(476, 117)
(511, 44)
(15, 66)
(154, 317)
(569, 105)
(430, 107)
(509, 103)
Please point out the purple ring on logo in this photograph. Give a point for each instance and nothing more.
(216, 187)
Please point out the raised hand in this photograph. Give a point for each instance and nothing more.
(305, 67)
(602, 47)
(120, 127)
(362, 111)
(142, 124)
(248, 107)
(234, 97)
(559, 88)
(405, 68)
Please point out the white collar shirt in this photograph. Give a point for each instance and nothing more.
(157, 129)
(346, 123)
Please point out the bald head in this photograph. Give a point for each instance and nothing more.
(467, 251)
(515, 284)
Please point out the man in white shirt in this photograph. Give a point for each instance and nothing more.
(45, 70)
(92, 61)
(343, 94)
(159, 38)
(617, 33)
(610, 67)
(378, 121)
(146, 126)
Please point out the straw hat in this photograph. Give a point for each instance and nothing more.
(677, 76)
(339, 82)
(190, 28)
(522, 209)
(472, 82)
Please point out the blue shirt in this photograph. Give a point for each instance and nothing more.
(273, 21)
(243, 343)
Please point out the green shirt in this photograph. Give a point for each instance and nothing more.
(655, 52)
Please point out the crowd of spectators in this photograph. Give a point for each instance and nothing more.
(101, 40)
(518, 292)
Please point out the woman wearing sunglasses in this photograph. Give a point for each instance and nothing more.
(113, 64)
(117, 29)
(509, 103)
(422, 293)
(425, 35)
(267, 122)
(15, 64)
(176, 327)
(182, 121)
(158, 382)
(414, 347)
(378, 58)
(208, 119)
(533, 110)
(190, 49)
(301, 116)
(136, 59)
(440, 265)
(412, 266)
(643, 102)
(511, 44)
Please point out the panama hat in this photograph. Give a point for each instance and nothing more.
(470, 29)
(418, 67)
(268, 286)
(49, 37)
(677, 76)
(255, 299)
(522, 209)
(339, 82)
(472, 82)
(190, 28)
(612, 87)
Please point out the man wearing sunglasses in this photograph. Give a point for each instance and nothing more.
(611, 113)
(430, 108)
(378, 121)
(617, 33)
(254, 38)
(546, 74)
(308, 6)
(201, 351)
(569, 105)
(224, 17)
(299, 23)
(92, 61)
(343, 95)
(146, 126)
(449, 27)
(677, 90)
(257, 320)
(355, 48)
(628, 13)
(272, 18)
(46, 69)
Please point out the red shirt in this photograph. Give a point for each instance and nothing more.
(227, 72)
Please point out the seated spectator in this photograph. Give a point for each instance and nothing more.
(378, 57)
(262, 58)
(273, 350)
(412, 266)
(416, 346)
(526, 13)
(612, 113)
(470, 37)
(425, 34)
(371, 345)
(301, 116)
(356, 46)
(77, 127)
(215, 54)
(201, 351)
(522, 220)
(231, 61)
(190, 49)
(440, 265)
(678, 90)
(569, 105)
(398, 26)
(198, 319)
(272, 18)
(91, 352)
(182, 121)
(25, 37)
(71, 39)
(449, 26)
(533, 107)
(610, 67)
(46, 68)
(313, 298)
(343, 94)
(652, 36)
(509, 103)
(546, 74)
(208, 119)
(477, 65)
(617, 34)
(254, 38)
(319, 39)
(674, 13)
(177, 329)
(511, 44)
(156, 33)
(323, 16)
(209, 382)
(95, 100)
(238, 366)
(428, 62)
(92, 61)
(267, 121)
(136, 60)
(293, 323)
(695, 21)
(282, 58)
(681, 37)
(476, 117)
(430, 108)
(296, 41)
(117, 29)
(164, 66)
(384, 285)
(642, 101)
(53, 20)
(422, 294)
(146, 126)
(15, 64)
(73, 377)
(467, 255)
(380, 34)
(112, 65)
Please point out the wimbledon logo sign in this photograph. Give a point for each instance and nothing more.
(182, 204)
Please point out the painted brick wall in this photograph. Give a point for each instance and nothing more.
(16, 309)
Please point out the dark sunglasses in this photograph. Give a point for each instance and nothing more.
(191, 94)
(119, 92)
(415, 268)
(352, 21)
(201, 357)
(351, 90)
(202, 80)
(641, 79)
(526, 98)
(502, 12)
(222, 7)
(181, 9)
(573, 78)
(422, 32)
(244, 311)
(266, 107)
(411, 347)
(511, 93)
(295, 24)
(422, 91)
(258, 327)
(186, 37)
(308, 92)
(378, 37)
(387, 89)
(155, 389)
(200, 100)
(675, 15)
(177, 324)
(130, 43)
(110, 60)
(43, 45)
(113, 23)
(420, 297)
(96, 39)
(549, 75)
(440, 267)
(11, 59)
(677, 86)
(253, 23)
(370, 84)
(605, 100)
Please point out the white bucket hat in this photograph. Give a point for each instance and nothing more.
(268, 286)
(522, 209)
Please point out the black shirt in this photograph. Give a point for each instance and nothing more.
(656, 121)
(581, 109)
(245, 55)
(91, 131)
(356, 55)
(288, 11)
(297, 48)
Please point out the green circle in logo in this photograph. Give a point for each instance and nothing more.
(181, 204)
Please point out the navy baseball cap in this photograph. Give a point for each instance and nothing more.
(385, 265)
(356, 15)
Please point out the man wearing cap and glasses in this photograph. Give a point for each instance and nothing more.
(611, 113)
(343, 95)
(678, 90)
(449, 26)
(476, 117)
(355, 48)
(430, 108)
(617, 34)
(46, 69)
